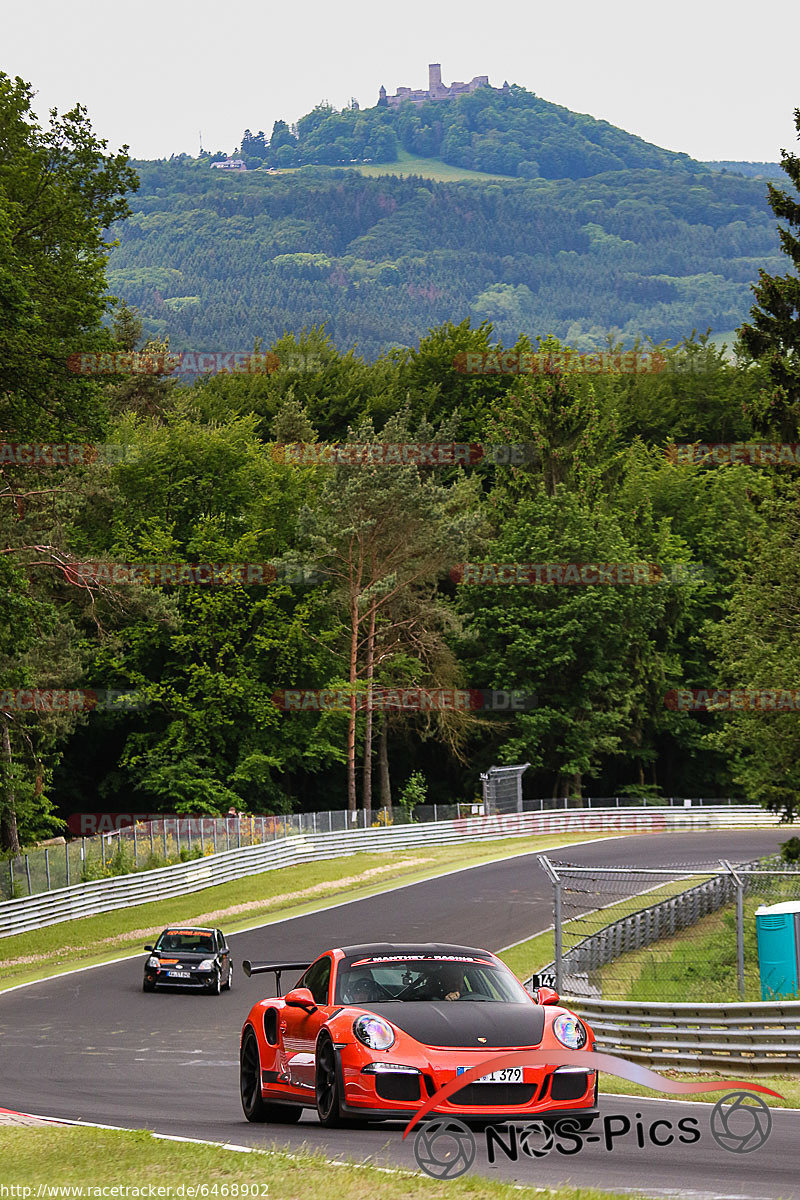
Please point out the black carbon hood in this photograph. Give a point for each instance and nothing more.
(472, 1024)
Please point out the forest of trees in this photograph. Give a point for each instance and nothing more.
(215, 262)
(203, 480)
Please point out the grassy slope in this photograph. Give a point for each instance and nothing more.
(413, 164)
(255, 900)
(61, 1155)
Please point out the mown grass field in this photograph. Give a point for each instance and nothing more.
(414, 164)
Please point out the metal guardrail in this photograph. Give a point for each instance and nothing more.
(761, 1037)
(158, 841)
(123, 891)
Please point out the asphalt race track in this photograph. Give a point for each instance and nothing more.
(92, 1046)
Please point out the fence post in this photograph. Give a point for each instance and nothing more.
(152, 849)
(11, 878)
(545, 863)
(28, 873)
(66, 848)
(739, 925)
(164, 831)
(47, 865)
(103, 848)
(215, 835)
(135, 847)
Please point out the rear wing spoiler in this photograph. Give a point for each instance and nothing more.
(276, 968)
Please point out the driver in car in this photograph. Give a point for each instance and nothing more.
(362, 990)
(452, 981)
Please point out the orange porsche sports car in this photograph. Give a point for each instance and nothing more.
(373, 1031)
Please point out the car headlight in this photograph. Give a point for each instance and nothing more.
(153, 961)
(207, 964)
(374, 1032)
(569, 1031)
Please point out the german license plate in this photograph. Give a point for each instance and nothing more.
(507, 1075)
(179, 974)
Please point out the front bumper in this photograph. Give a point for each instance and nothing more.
(550, 1092)
(196, 979)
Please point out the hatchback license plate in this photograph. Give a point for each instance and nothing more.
(178, 974)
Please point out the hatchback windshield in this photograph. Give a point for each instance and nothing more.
(187, 940)
(427, 977)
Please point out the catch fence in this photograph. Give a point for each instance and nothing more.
(640, 934)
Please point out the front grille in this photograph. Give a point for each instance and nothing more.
(569, 1085)
(495, 1095)
(397, 1086)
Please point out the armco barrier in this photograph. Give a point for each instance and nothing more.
(761, 1038)
(124, 891)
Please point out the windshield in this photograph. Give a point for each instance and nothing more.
(190, 941)
(426, 977)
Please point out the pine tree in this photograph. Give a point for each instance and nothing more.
(774, 335)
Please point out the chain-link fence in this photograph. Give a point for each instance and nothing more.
(674, 933)
(149, 844)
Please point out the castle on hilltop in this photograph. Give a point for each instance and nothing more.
(436, 90)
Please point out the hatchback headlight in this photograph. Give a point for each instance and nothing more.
(374, 1032)
(153, 961)
(206, 965)
(569, 1031)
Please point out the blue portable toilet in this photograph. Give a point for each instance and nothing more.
(778, 936)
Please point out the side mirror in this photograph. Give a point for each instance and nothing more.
(148, 947)
(546, 995)
(301, 998)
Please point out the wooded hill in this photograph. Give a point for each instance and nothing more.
(215, 260)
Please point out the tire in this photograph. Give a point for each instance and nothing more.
(327, 1085)
(229, 984)
(148, 987)
(216, 987)
(254, 1106)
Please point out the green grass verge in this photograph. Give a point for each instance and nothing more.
(244, 903)
(787, 1085)
(96, 1158)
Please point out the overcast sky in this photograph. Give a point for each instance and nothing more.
(715, 79)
